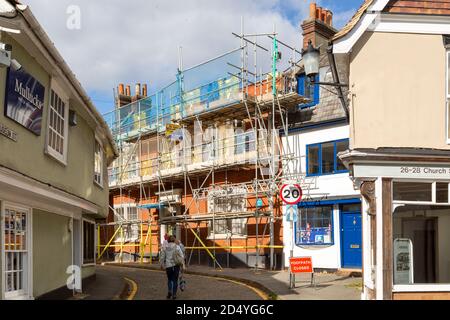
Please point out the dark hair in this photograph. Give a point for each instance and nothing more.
(171, 239)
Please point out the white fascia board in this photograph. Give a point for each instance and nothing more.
(19, 181)
(413, 24)
(345, 44)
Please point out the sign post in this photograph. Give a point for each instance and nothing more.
(300, 265)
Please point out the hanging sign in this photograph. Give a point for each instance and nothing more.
(24, 101)
(291, 194)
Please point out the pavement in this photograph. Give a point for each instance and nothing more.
(203, 283)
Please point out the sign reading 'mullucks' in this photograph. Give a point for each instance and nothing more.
(24, 100)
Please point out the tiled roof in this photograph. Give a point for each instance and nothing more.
(353, 21)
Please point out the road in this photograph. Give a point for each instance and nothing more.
(152, 285)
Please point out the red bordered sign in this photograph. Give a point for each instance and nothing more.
(291, 194)
(301, 265)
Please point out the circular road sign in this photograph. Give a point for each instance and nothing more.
(291, 193)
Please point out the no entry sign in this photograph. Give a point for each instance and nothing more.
(301, 265)
(291, 193)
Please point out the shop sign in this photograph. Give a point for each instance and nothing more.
(403, 261)
(5, 131)
(24, 100)
(402, 171)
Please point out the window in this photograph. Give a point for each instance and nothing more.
(57, 127)
(16, 251)
(322, 159)
(234, 227)
(307, 90)
(421, 245)
(98, 163)
(432, 192)
(128, 212)
(232, 200)
(88, 242)
(314, 227)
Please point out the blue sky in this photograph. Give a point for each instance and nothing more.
(138, 40)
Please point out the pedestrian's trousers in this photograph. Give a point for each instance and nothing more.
(172, 279)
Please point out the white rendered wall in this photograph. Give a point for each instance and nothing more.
(338, 186)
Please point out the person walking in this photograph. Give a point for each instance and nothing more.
(171, 260)
(182, 281)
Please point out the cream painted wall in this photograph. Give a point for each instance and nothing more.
(397, 82)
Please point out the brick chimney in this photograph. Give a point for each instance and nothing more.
(124, 96)
(318, 27)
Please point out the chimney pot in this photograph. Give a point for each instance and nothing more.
(144, 90)
(312, 10)
(138, 89)
(330, 18)
(128, 91)
(319, 13)
(121, 88)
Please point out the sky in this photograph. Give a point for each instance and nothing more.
(107, 42)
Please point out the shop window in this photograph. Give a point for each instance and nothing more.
(57, 127)
(306, 89)
(98, 163)
(315, 226)
(88, 242)
(322, 159)
(421, 245)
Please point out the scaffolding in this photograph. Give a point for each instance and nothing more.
(182, 141)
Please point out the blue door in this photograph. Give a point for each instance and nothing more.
(351, 235)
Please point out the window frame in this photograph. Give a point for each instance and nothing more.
(102, 159)
(447, 93)
(62, 158)
(301, 89)
(320, 173)
(125, 207)
(89, 263)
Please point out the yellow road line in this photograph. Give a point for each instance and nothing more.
(134, 288)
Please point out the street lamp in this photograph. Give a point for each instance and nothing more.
(311, 61)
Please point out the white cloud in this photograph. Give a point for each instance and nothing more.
(137, 41)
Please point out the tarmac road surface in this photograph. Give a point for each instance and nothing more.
(152, 285)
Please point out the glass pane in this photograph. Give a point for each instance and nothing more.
(354, 207)
(442, 192)
(340, 147)
(420, 244)
(328, 157)
(314, 225)
(313, 160)
(412, 191)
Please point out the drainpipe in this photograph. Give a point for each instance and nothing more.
(335, 74)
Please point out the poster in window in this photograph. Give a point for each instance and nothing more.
(403, 261)
(24, 99)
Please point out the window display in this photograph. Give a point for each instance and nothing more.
(315, 226)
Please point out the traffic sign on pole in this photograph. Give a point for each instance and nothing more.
(291, 194)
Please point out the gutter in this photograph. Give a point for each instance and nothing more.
(59, 61)
(335, 74)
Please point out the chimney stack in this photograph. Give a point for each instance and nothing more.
(318, 27)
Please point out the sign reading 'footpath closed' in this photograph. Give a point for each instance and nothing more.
(24, 101)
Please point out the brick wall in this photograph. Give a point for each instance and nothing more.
(438, 7)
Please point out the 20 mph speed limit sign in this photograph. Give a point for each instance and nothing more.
(291, 193)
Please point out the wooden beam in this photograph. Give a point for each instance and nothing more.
(387, 238)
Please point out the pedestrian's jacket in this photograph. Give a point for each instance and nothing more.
(167, 255)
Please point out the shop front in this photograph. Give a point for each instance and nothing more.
(406, 222)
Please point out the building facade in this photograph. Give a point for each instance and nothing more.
(328, 228)
(399, 155)
(55, 148)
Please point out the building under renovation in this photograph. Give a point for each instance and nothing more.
(202, 159)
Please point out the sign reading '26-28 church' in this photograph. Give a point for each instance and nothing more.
(24, 100)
